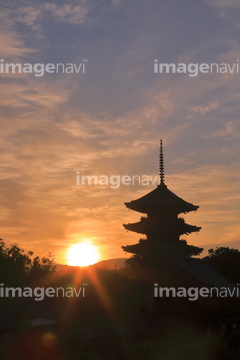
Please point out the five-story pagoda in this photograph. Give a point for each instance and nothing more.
(162, 226)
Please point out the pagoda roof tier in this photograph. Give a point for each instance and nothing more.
(161, 199)
(138, 248)
(145, 247)
(144, 227)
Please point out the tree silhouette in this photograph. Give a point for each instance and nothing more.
(17, 266)
(226, 261)
(42, 266)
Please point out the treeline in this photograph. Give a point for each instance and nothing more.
(18, 266)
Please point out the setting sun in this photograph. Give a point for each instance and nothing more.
(82, 254)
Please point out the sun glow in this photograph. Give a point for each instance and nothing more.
(82, 254)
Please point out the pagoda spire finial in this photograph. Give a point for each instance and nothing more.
(161, 164)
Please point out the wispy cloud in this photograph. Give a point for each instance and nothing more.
(67, 13)
(117, 2)
(205, 109)
(226, 3)
(12, 44)
(229, 129)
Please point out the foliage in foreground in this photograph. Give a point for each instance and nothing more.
(17, 266)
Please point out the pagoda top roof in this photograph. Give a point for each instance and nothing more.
(160, 199)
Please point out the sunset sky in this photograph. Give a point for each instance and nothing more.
(109, 120)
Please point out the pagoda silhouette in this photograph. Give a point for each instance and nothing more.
(162, 225)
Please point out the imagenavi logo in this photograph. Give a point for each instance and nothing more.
(193, 293)
(194, 69)
(39, 69)
(39, 293)
(115, 181)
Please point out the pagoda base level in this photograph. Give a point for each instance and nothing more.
(146, 248)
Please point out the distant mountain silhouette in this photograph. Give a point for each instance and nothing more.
(108, 264)
(112, 263)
